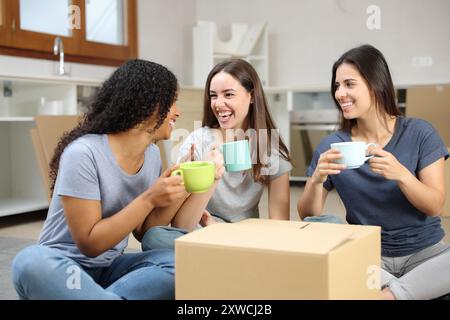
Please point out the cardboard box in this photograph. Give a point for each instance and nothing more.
(45, 138)
(268, 259)
(437, 112)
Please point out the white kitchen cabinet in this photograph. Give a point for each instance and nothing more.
(250, 43)
(22, 189)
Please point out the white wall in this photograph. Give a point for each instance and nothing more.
(165, 34)
(307, 36)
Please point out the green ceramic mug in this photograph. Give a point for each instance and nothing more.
(198, 176)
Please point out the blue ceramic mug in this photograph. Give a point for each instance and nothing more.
(236, 155)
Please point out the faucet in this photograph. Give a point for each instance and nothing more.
(58, 48)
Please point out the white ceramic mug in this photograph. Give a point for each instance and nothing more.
(353, 153)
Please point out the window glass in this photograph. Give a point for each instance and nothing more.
(46, 16)
(105, 21)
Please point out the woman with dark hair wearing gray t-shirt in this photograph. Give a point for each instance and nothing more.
(400, 189)
(106, 184)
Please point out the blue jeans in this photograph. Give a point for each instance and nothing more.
(325, 218)
(161, 238)
(164, 237)
(41, 272)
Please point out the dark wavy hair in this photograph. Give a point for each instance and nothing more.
(373, 67)
(131, 95)
(258, 116)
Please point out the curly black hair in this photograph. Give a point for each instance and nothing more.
(131, 95)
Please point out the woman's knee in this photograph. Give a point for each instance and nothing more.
(161, 238)
(26, 261)
(37, 261)
(28, 265)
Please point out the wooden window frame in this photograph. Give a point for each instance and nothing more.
(17, 42)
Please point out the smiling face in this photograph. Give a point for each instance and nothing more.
(230, 101)
(352, 93)
(165, 130)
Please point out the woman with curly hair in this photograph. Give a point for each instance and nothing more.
(106, 184)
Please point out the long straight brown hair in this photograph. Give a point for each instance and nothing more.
(258, 116)
(373, 67)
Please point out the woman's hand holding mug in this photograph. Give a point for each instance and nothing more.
(166, 190)
(326, 166)
(216, 156)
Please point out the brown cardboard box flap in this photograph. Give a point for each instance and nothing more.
(283, 236)
(446, 212)
(51, 128)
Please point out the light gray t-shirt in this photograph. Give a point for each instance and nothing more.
(237, 195)
(88, 170)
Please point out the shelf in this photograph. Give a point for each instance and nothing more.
(296, 178)
(256, 57)
(21, 205)
(55, 80)
(249, 43)
(222, 56)
(16, 119)
(312, 127)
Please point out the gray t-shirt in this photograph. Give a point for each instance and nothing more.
(88, 170)
(370, 199)
(237, 195)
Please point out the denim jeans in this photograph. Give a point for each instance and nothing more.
(41, 272)
(164, 237)
(161, 238)
(325, 218)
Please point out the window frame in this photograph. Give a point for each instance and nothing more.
(25, 43)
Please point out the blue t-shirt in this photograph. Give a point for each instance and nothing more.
(88, 170)
(370, 199)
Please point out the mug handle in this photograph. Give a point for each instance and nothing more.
(177, 172)
(367, 146)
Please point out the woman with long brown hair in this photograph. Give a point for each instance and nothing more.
(401, 188)
(235, 108)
